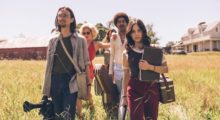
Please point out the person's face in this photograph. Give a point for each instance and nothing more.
(136, 33)
(121, 24)
(87, 34)
(64, 18)
(110, 34)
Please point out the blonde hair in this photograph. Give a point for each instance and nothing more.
(92, 28)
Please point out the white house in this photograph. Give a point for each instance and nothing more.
(204, 37)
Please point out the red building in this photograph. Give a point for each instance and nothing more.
(23, 48)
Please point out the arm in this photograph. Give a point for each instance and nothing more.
(126, 77)
(125, 81)
(86, 61)
(112, 55)
(48, 60)
(87, 70)
(161, 69)
(101, 45)
(88, 75)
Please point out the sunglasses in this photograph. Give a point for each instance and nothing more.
(86, 33)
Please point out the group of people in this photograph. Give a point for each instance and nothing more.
(126, 45)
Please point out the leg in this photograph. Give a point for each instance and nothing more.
(70, 104)
(152, 105)
(119, 87)
(56, 94)
(118, 76)
(135, 108)
(91, 106)
(79, 108)
(69, 99)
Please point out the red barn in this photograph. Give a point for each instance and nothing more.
(24, 48)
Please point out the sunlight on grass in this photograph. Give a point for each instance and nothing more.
(196, 78)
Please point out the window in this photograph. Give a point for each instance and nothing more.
(216, 29)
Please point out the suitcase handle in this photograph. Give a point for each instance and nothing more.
(165, 81)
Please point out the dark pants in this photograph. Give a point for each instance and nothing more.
(147, 107)
(64, 102)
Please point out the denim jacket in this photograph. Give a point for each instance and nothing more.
(80, 55)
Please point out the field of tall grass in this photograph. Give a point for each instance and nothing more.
(196, 78)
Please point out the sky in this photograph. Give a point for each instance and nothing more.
(171, 18)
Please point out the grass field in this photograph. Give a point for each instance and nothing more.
(196, 78)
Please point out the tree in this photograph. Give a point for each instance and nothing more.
(168, 47)
(102, 31)
(110, 24)
(78, 26)
(152, 34)
(170, 44)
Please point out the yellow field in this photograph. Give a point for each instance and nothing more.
(196, 78)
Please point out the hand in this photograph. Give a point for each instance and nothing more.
(124, 101)
(88, 91)
(144, 65)
(114, 36)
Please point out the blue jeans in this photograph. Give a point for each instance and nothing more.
(118, 77)
(63, 100)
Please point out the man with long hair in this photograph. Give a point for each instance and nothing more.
(58, 83)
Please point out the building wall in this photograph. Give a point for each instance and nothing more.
(189, 48)
(216, 45)
(37, 53)
(203, 46)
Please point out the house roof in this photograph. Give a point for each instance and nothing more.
(24, 42)
(209, 27)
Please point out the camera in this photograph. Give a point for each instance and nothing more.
(45, 108)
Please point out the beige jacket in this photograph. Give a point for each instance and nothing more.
(117, 49)
(80, 54)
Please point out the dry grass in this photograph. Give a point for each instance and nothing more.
(196, 78)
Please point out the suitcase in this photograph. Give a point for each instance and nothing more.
(97, 87)
(104, 86)
(166, 90)
(106, 57)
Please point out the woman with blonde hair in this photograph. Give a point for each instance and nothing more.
(90, 32)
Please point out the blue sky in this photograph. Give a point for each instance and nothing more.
(171, 18)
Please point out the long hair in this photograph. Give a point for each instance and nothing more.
(145, 38)
(72, 25)
(108, 36)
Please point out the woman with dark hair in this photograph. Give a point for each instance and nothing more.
(106, 54)
(108, 36)
(142, 98)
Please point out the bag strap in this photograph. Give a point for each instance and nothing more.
(165, 81)
(70, 58)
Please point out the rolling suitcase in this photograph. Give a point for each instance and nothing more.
(105, 87)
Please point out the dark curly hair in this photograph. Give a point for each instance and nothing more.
(120, 15)
(72, 25)
(145, 38)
